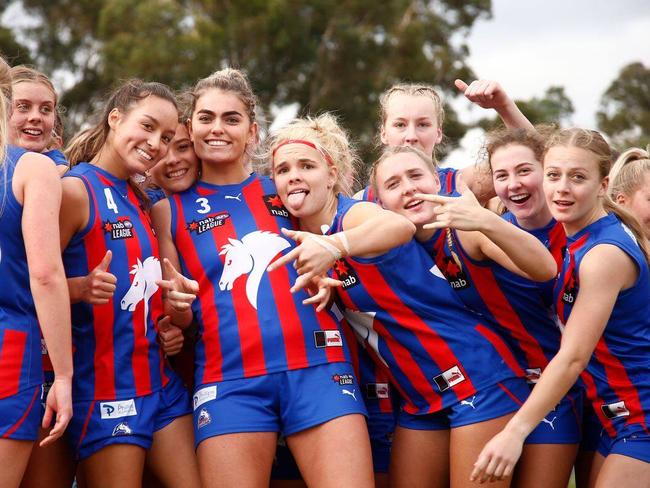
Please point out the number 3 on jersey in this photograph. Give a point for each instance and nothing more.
(110, 203)
(205, 207)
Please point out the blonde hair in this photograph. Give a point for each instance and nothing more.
(389, 151)
(627, 174)
(5, 107)
(593, 142)
(22, 73)
(330, 139)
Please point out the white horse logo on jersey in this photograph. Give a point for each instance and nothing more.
(362, 323)
(145, 274)
(252, 254)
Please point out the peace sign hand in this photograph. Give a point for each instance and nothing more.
(463, 212)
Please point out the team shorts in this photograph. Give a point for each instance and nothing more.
(286, 402)
(592, 429)
(635, 445)
(490, 403)
(381, 427)
(96, 424)
(563, 425)
(20, 416)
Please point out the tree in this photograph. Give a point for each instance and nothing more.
(624, 113)
(12, 50)
(323, 55)
(554, 107)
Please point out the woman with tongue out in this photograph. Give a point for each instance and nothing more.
(267, 360)
(418, 330)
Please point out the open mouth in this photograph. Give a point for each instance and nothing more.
(179, 173)
(520, 199)
(144, 154)
(296, 198)
(413, 204)
(217, 143)
(33, 132)
(562, 203)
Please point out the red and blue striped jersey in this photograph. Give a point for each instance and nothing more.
(437, 352)
(447, 185)
(617, 378)
(20, 340)
(250, 324)
(116, 355)
(520, 308)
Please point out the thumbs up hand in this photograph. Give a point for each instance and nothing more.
(170, 336)
(98, 286)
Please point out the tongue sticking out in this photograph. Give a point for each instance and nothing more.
(296, 200)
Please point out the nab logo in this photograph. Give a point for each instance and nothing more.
(274, 206)
(343, 379)
(210, 222)
(570, 290)
(345, 273)
(454, 273)
(122, 228)
(122, 429)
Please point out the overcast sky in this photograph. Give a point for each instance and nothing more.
(529, 45)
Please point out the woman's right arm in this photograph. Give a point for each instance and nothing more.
(37, 186)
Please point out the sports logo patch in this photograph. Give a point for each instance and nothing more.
(204, 418)
(122, 228)
(377, 391)
(118, 409)
(454, 273)
(570, 290)
(533, 375)
(344, 272)
(343, 379)
(328, 338)
(614, 410)
(122, 429)
(208, 223)
(274, 206)
(449, 378)
(204, 395)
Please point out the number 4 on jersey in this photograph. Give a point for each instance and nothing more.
(110, 203)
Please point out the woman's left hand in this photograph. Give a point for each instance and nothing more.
(498, 458)
(320, 291)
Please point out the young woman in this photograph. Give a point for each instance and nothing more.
(412, 114)
(30, 259)
(262, 353)
(34, 118)
(413, 322)
(629, 184)
(129, 406)
(601, 299)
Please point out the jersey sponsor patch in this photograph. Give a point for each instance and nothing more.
(274, 206)
(346, 274)
(204, 418)
(343, 379)
(533, 375)
(122, 228)
(570, 291)
(449, 378)
(376, 391)
(208, 223)
(614, 410)
(118, 409)
(204, 395)
(328, 338)
(454, 273)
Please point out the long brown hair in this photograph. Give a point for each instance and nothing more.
(593, 142)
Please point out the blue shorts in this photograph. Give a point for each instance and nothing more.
(592, 429)
(563, 425)
(96, 424)
(490, 403)
(636, 445)
(20, 416)
(381, 427)
(287, 402)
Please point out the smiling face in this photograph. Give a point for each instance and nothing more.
(33, 116)
(573, 186)
(398, 178)
(517, 178)
(141, 136)
(179, 169)
(220, 128)
(411, 121)
(303, 178)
